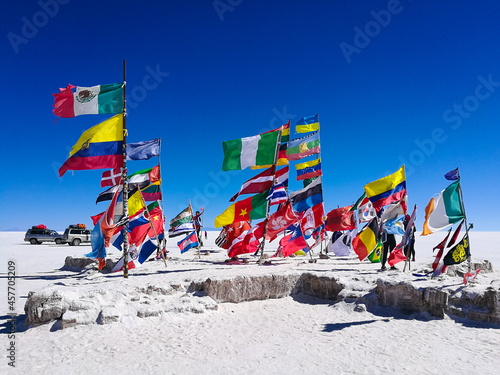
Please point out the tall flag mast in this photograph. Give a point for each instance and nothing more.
(124, 178)
(276, 152)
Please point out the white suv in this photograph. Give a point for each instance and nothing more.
(74, 235)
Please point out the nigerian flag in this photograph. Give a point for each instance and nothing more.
(248, 152)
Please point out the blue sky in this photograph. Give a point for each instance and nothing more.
(394, 82)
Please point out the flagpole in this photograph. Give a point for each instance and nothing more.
(124, 178)
(268, 205)
(194, 225)
(164, 242)
(465, 218)
(152, 225)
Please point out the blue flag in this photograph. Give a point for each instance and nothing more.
(394, 226)
(143, 150)
(452, 175)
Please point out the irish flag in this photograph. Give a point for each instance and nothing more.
(100, 99)
(251, 151)
(247, 209)
(443, 210)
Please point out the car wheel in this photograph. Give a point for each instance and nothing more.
(58, 241)
(76, 242)
(33, 241)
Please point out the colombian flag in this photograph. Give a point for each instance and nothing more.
(387, 189)
(98, 147)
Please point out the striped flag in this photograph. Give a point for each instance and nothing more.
(307, 124)
(302, 147)
(246, 152)
(189, 242)
(309, 196)
(366, 240)
(387, 190)
(277, 195)
(309, 169)
(443, 210)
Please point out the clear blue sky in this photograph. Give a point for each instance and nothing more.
(414, 82)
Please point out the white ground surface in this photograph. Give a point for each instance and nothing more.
(283, 336)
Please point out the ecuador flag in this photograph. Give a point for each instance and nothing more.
(98, 147)
(366, 240)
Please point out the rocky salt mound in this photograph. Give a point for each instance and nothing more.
(183, 287)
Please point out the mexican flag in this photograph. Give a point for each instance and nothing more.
(100, 99)
(247, 209)
(251, 151)
(443, 210)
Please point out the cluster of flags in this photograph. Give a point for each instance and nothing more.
(102, 147)
(443, 211)
(300, 213)
(186, 223)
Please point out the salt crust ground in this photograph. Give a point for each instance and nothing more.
(295, 336)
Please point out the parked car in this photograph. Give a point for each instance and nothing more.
(38, 234)
(74, 235)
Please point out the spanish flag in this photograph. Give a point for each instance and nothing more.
(98, 147)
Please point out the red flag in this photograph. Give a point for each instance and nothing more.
(340, 219)
(95, 218)
(396, 256)
(455, 235)
(107, 223)
(230, 232)
(154, 174)
(470, 276)
(111, 177)
(296, 242)
(280, 220)
(257, 184)
(312, 218)
(440, 247)
(247, 241)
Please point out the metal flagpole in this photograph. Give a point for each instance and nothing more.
(124, 178)
(465, 218)
(268, 207)
(164, 241)
(195, 231)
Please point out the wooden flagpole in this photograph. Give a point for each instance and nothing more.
(124, 178)
(268, 205)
